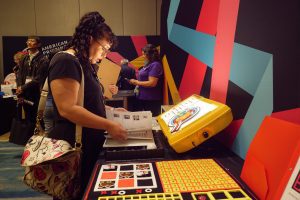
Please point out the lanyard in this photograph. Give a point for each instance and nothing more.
(97, 78)
(94, 73)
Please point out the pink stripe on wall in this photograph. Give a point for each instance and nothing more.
(227, 18)
(193, 76)
(139, 42)
(292, 115)
(194, 72)
(228, 135)
(116, 58)
(208, 18)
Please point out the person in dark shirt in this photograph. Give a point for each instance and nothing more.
(48, 114)
(124, 86)
(31, 76)
(126, 74)
(90, 43)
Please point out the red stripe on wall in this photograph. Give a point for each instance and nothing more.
(193, 76)
(139, 42)
(194, 72)
(228, 12)
(207, 22)
(116, 58)
(292, 115)
(228, 135)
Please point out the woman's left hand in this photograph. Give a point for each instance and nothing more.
(113, 89)
(133, 81)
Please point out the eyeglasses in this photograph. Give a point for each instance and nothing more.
(104, 50)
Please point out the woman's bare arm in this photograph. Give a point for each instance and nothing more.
(65, 94)
(152, 82)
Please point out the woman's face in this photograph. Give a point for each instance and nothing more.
(98, 50)
(145, 57)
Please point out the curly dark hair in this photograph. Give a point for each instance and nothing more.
(92, 25)
(151, 53)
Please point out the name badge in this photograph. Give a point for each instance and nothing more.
(28, 80)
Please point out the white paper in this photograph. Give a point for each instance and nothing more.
(155, 125)
(137, 124)
(186, 113)
(291, 191)
(7, 89)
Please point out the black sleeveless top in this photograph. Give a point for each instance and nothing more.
(65, 65)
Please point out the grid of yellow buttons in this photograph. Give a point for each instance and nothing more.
(193, 175)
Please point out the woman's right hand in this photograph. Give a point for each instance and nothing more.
(116, 131)
(19, 91)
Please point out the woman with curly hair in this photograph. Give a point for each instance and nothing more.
(150, 80)
(90, 43)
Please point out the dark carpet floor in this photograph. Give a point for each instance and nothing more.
(11, 174)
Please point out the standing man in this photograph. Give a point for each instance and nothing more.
(31, 76)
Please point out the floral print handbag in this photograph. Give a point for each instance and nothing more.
(52, 167)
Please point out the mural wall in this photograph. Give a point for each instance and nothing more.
(128, 47)
(245, 54)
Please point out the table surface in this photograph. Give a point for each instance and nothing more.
(211, 149)
(124, 93)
